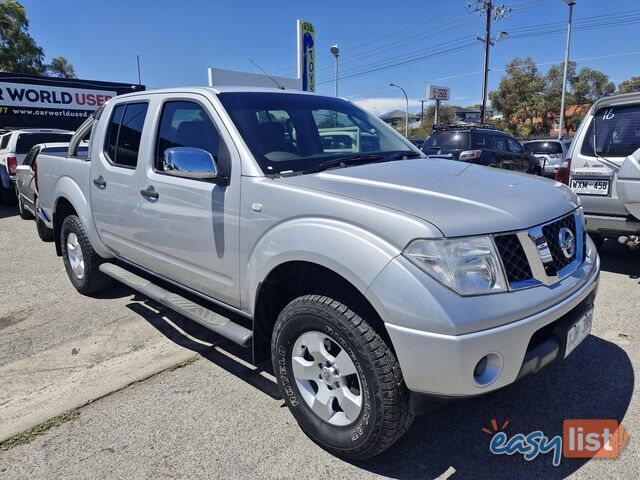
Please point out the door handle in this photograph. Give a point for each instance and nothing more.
(150, 193)
(100, 182)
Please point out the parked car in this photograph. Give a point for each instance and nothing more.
(605, 173)
(482, 145)
(372, 280)
(27, 189)
(14, 147)
(550, 153)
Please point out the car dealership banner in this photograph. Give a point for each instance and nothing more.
(306, 56)
(28, 101)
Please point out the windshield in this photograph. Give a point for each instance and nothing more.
(290, 133)
(543, 148)
(446, 140)
(617, 131)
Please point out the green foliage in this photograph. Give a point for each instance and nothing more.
(629, 86)
(19, 52)
(60, 67)
(530, 100)
(446, 114)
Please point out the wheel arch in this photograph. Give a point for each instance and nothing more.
(292, 279)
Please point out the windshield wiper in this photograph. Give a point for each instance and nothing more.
(341, 163)
(404, 154)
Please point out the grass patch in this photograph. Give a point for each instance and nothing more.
(31, 434)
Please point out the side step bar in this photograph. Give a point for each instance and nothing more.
(205, 317)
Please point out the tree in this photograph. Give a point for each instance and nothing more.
(629, 86)
(446, 114)
(60, 67)
(518, 96)
(19, 52)
(589, 85)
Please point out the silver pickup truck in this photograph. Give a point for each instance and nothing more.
(372, 276)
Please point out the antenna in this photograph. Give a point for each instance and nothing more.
(138, 61)
(281, 87)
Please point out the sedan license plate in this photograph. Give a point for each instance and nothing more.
(578, 332)
(590, 186)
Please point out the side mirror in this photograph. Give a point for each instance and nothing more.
(189, 162)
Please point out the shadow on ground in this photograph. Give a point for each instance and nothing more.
(616, 258)
(8, 211)
(451, 436)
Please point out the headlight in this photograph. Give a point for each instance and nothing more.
(468, 266)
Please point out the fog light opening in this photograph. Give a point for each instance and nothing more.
(487, 369)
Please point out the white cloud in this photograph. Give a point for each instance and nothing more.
(378, 106)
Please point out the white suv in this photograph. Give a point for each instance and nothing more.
(14, 147)
(606, 176)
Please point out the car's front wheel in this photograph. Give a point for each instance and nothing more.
(338, 377)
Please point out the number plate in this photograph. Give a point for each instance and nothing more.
(590, 186)
(578, 332)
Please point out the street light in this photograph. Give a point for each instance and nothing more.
(336, 53)
(571, 3)
(406, 115)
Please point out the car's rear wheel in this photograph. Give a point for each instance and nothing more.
(6, 196)
(338, 377)
(80, 259)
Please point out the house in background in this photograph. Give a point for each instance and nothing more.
(396, 117)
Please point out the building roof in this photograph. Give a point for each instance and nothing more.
(396, 115)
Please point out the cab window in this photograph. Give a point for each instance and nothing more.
(124, 134)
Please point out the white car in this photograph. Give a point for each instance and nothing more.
(14, 147)
(551, 153)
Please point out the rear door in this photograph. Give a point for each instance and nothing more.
(115, 190)
(616, 129)
(191, 229)
(24, 179)
(503, 155)
(519, 155)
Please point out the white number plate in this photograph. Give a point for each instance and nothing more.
(578, 332)
(590, 186)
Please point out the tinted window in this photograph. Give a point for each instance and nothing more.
(5, 141)
(125, 132)
(28, 160)
(446, 140)
(26, 141)
(286, 132)
(112, 132)
(186, 124)
(514, 146)
(480, 140)
(617, 132)
(500, 143)
(544, 148)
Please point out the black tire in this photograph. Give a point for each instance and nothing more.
(24, 213)
(598, 240)
(93, 280)
(384, 415)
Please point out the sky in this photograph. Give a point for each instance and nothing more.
(407, 42)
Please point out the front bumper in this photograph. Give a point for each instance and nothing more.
(443, 364)
(608, 226)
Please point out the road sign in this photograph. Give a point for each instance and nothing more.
(438, 93)
(306, 56)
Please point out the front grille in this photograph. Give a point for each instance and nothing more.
(551, 234)
(514, 260)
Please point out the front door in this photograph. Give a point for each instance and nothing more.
(191, 227)
(114, 181)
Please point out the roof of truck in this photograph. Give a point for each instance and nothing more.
(215, 90)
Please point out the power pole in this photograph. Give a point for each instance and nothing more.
(571, 3)
(422, 112)
(492, 13)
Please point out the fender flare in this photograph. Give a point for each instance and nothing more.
(352, 252)
(66, 188)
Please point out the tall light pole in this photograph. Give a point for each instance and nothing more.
(571, 3)
(336, 53)
(406, 113)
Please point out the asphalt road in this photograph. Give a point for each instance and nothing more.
(219, 417)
